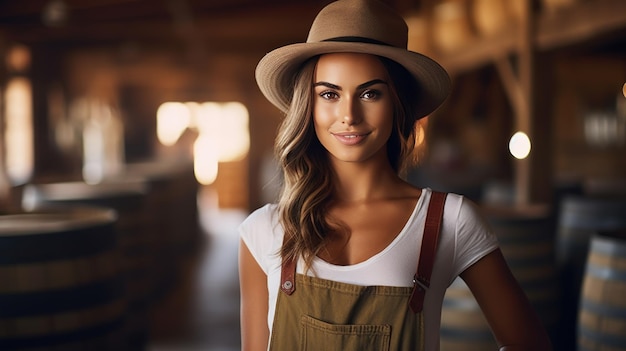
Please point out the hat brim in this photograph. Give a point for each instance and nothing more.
(276, 71)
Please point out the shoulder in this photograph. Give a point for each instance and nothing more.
(469, 234)
(261, 233)
(262, 217)
(260, 225)
(460, 211)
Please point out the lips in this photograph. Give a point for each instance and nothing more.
(350, 138)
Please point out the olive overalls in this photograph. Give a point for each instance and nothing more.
(326, 315)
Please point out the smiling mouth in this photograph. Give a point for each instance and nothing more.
(350, 139)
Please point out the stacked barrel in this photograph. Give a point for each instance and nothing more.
(583, 217)
(156, 224)
(526, 237)
(602, 310)
(62, 285)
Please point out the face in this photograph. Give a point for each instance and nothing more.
(352, 107)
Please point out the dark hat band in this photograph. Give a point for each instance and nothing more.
(357, 40)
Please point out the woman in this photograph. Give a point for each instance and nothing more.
(332, 266)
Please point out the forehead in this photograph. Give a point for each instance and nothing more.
(349, 65)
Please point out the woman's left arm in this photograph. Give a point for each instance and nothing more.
(513, 320)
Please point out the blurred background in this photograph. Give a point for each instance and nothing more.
(134, 140)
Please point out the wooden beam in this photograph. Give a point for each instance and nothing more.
(584, 21)
(512, 86)
(524, 114)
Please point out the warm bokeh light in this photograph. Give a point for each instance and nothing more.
(18, 58)
(232, 136)
(519, 145)
(172, 120)
(223, 132)
(18, 133)
(205, 160)
(195, 110)
(103, 142)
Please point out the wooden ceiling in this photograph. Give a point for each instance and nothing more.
(221, 23)
(218, 23)
(256, 26)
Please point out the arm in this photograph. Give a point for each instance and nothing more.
(510, 315)
(254, 302)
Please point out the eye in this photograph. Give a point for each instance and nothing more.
(370, 95)
(329, 95)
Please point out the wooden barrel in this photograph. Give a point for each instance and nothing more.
(579, 219)
(463, 326)
(602, 311)
(526, 236)
(614, 187)
(61, 286)
(582, 216)
(137, 254)
(173, 195)
(173, 216)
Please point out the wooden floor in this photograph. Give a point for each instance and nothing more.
(202, 310)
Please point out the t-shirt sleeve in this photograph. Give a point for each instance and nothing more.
(257, 232)
(474, 237)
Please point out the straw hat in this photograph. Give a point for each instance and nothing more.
(359, 26)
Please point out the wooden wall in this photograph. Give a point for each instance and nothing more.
(573, 73)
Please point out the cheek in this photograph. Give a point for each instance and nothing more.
(385, 120)
(322, 117)
(319, 124)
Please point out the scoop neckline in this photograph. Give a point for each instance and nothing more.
(418, 205)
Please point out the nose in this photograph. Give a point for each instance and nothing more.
(350, 112)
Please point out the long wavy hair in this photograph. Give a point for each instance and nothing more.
(308, 185)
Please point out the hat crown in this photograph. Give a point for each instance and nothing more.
(370, 20)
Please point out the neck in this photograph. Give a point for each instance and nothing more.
(361, 182)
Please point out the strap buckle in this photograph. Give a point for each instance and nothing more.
(423, 283)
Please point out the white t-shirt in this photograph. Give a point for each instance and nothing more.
(464, 239)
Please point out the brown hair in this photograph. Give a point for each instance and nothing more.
(308, 179)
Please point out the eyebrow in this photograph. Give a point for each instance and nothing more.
(361, 86)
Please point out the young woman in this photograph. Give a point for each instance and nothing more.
(341, 262)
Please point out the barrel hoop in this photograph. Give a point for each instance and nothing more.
(602, 338)
(605, 273)
(75, 243)
(62, 338)
(608, 246)
(592, 223)
(62, 274)
(62, 300)
(603, 309)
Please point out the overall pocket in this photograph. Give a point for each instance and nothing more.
(316, 335)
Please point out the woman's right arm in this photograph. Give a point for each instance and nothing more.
(254, 302)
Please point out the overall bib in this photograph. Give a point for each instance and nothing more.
(326, 315)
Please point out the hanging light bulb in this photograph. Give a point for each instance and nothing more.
(519, 145)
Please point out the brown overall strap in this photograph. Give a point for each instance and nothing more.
(288, 276)
(425, 265)
(432, 226)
